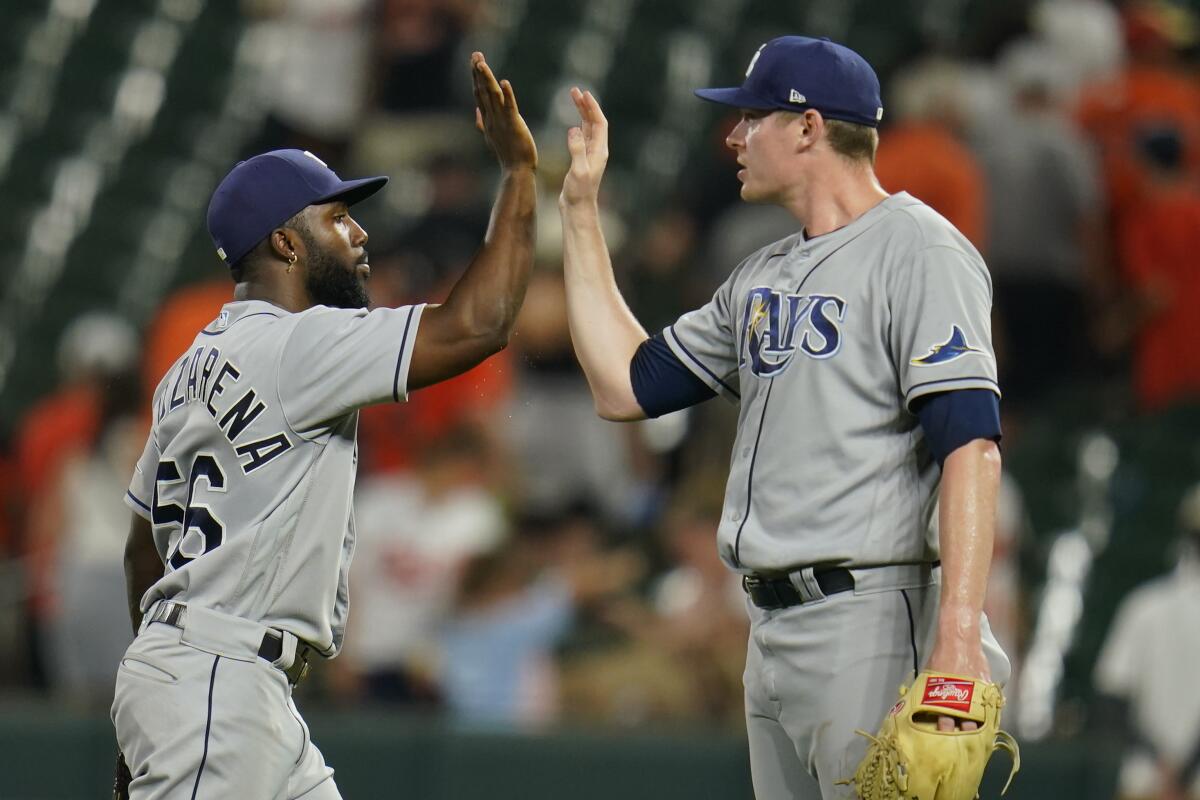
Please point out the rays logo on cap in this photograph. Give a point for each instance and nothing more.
(754, 59)
(948, 350)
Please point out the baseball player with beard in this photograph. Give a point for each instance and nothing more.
(862, 486)
(243, 529)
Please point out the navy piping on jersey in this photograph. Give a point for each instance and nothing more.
(400, 358)
(912, 632)
(737, 542)
(661, 382)
(963, 379)
(212, 681)
(702, 365)
(134, 499)
(239, 319)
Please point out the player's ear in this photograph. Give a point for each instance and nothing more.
(284, 242)
(810, 126)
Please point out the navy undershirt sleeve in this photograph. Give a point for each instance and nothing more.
(951, 419)
(661, 382)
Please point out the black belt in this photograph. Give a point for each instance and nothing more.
(777, 591)
(270, 649)
(774, 592)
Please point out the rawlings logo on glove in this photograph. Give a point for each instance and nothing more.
(948, 693)
(910, 759)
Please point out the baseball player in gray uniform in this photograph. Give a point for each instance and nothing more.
(243, 529)
(858, 351)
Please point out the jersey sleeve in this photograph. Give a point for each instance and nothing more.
(338, 360)
(140, 494)
(661, 383)
(704, 340)
(941, 333)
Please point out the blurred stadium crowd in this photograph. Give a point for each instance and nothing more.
(520, 560)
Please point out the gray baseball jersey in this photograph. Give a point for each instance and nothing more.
(825, 343)
(248, 472)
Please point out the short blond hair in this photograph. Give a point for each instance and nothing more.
(849, 140)
(852, 141)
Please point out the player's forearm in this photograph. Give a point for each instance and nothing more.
(967, 517)
(487, 298)
(604, 331)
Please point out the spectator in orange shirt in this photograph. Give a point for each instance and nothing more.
(922, 154)
(184, 312)
(1160, 260)
(394, 436)
(93, 348)
(1153, 89)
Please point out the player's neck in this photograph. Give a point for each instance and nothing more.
(834, 200)
(290, 295)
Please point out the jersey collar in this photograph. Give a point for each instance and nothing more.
(847, 231)
(236, 310)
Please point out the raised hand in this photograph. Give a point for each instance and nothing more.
(588, 145)
(499, 120)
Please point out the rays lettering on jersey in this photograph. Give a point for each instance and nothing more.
(193, 383)
(776, 324)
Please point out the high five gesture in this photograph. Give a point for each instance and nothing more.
(588, 145)
(499, 120)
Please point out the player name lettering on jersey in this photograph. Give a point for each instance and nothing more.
(198, 379)
(776, 324)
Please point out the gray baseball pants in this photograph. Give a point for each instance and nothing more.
(817, 671)
(199, 715)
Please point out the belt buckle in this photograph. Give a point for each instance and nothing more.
(766, 591)
(299, 668)
(303, 671)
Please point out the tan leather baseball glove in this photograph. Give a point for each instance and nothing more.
(911, 759)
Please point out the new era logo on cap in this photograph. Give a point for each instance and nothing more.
(793, 71)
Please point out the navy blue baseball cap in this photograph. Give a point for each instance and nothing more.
(261, 193)
(793, 73)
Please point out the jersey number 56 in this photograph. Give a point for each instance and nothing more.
(200, 529)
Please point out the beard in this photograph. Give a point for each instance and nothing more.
(329, 283)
